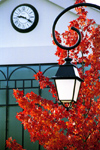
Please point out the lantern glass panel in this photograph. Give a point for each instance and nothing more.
(65, 89)
(77, 87)
(76, 72)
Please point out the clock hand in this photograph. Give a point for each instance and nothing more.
(21, 17)
(24, 18)
(29, 20)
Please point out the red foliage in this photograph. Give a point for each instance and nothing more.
(44, 120)
(13, 145)
(44, 82)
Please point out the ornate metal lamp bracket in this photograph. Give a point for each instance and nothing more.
(63, 71)
(73, 28)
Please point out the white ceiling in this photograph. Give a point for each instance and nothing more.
(97, 2)
(93, 13)
(63, 3)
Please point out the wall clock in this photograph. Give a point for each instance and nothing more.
(24, 18)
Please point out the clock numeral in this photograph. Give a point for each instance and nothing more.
(19, 25)
(19, 9)
(23, 8)
(16, 22)
(31, 16)
(30, 12)
(15, 17)
(23, 26)
(27, 9)
(27, 25)
(16, 13)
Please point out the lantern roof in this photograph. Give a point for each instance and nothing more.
(67, 71)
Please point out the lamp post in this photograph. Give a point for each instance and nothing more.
(67, 79)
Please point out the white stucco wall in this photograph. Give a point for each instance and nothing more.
(35, 46)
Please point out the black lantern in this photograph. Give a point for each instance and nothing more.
(67, 81)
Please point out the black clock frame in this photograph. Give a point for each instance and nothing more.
(32, 26)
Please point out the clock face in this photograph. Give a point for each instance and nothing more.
(24, 18)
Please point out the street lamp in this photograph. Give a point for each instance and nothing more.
(67, 82)
(67, 79)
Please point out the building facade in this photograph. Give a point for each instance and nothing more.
(22, 56)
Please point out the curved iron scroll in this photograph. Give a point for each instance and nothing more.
(73, 28)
